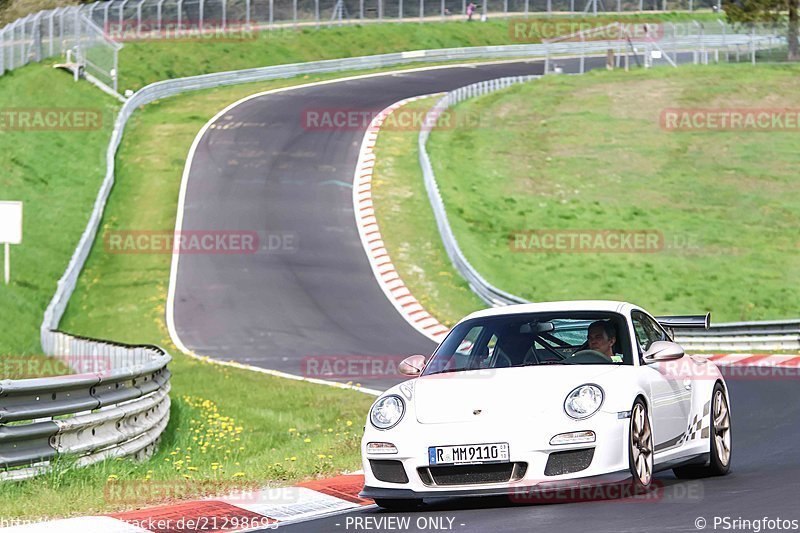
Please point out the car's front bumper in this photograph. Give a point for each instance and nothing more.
(574, 488)
(529, 444)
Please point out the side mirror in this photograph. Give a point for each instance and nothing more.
(412, 366)
(663, 351)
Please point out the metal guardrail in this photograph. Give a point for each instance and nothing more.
(738, 336)
(116, 405)
(783, 335)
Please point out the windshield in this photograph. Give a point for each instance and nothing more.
(567, 338)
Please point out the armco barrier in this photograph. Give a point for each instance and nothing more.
(116, 405)
(739, 336)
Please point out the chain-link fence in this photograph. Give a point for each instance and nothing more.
(63, 32)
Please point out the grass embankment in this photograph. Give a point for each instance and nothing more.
(146, 61)
(588, 152)
(56, 173)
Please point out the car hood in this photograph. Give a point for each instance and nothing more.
(503, 393)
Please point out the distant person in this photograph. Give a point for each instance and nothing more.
(470, 11)
(601, 338)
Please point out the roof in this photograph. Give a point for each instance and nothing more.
(567, 305)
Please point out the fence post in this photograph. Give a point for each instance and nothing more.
(421, 10)
(294, 14)
(139, 18)
(271, 13)
(316, 12)
(753, 45)
(441, 9)
(180, 17)
(224, 15)
(528, 7)
(37, 36)
(485, 9)
(3, 51)
(201, 16)
(400, 10)
(361, 9)
(247, 13)
(583, 53)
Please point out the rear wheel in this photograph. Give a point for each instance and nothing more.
(720, 436)
(393, 504)
(641, 446)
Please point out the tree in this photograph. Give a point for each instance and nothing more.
(768, 11)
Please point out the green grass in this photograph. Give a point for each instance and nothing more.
(146, 61)
(413, 241)
(56, 174)
(575, 153)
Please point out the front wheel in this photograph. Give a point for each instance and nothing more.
(394, 504)
(720, 436)
(640, 447)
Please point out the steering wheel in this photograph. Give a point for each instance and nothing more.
(590, 355)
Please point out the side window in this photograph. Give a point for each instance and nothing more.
(647, 331)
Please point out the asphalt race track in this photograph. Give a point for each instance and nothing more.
(311, 293)
(260, 170)
(762, 483)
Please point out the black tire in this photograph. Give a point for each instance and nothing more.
(640, 447)
(717, 464)
(392, 504)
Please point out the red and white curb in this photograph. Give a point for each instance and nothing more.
(261, 509)
(749, 359)
(385, 273)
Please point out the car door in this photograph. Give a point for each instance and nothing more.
(670, 392)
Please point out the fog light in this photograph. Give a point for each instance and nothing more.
(381, 447)
(575, 437)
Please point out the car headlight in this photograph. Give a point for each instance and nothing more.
(584, 401)
(387, 412)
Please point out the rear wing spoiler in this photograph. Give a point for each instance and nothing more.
(685, 321)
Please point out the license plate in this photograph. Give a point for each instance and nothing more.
(468, 454)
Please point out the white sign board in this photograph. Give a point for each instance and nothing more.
(10, 222)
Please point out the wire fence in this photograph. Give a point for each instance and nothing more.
(64, 32)
(91, 33)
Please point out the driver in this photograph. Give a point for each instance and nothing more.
(601, 338)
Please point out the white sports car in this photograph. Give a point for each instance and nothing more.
(538, 397)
